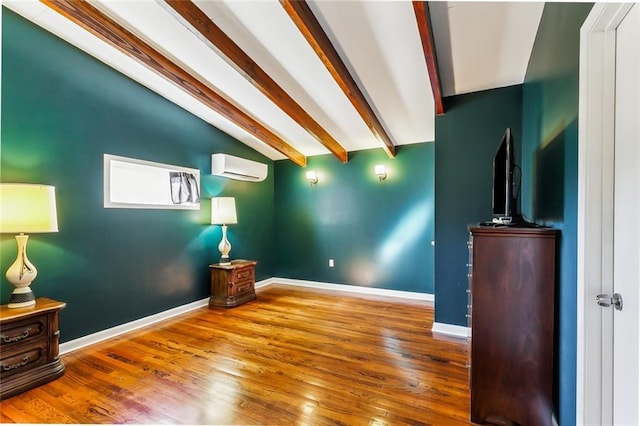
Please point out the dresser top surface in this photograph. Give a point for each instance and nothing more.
(513, 231)
(42, 305)
(238, 263)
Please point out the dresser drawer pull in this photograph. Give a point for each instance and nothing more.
(11, 339)
(24, 362)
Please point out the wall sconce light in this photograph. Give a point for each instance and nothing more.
(312, 177)
(381, 172)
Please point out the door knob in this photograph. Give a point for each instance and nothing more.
(605, 300)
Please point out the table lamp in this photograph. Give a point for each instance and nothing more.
(223, 212)
(25, 208)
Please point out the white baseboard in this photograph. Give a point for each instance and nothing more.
(112, 332)
(265, 283)
(353, 289)
(451, 330)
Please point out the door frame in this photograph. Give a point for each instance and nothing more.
(596, 121)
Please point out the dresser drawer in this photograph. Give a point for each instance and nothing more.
(24, 331)
(24, 358)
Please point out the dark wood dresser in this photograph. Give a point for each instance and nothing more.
(512, 279)
(234, 284)
(29, 346)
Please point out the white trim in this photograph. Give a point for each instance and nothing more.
(353, 289)
(112, 332)
(265, 283)
(451, 330)
(594, 387)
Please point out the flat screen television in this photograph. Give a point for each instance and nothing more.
(504, 200)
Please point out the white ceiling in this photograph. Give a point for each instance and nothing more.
(483, 45)
(479, 46)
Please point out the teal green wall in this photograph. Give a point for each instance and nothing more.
(550, 168)
(467, 138)
(378, 233)
(61, 110)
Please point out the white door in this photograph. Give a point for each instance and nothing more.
(608, 378)
(626, 224)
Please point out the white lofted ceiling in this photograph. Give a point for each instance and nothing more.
(483, 45)
(478, 46)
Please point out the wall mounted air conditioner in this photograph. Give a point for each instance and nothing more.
(232, 167)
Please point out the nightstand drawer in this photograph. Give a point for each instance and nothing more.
(245, 287)
(24, 358)
(23, 331)
(242, 281)
(243, 275)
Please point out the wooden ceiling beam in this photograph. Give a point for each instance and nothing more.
(205, 29)
(304, 19)
(109, 31)
(421, 10)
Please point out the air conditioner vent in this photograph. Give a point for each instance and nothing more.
(237, 168)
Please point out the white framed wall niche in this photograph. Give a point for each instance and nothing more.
(131, 183)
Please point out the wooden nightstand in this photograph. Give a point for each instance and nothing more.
(29, 346)
(232, 285)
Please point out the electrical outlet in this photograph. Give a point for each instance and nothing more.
(330, 263)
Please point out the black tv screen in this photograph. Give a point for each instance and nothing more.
(503, 163)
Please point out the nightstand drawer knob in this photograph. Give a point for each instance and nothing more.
(11, 339)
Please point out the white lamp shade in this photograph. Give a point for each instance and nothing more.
(27, 208)
(223, 211)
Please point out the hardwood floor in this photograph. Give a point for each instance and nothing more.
(294, 356)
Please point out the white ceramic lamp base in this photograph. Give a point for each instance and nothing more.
(224, 247)
(21, 274)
